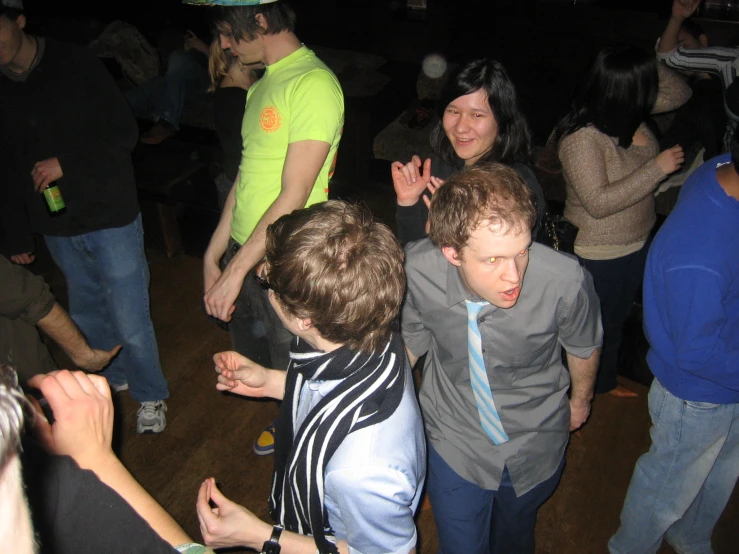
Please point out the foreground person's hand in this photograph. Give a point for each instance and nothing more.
(228, 524)
(83, 410)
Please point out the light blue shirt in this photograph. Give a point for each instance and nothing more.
(373, 481)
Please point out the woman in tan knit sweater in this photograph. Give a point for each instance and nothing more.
(612, 166)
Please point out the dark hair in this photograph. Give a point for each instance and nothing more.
(693, 29)
(734, 149)
(11, 13)
(513, 142)
(489, 193)
(240, 22)
(617, 94)
(335, 264)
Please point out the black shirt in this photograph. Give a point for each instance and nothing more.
(229, 104)
(70, 108)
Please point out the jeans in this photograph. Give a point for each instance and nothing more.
(465, 513)
(166, 96)
(256, 330)
(108, 283)
(617, 282)
(681, 486)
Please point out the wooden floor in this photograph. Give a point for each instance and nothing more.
(211, 434)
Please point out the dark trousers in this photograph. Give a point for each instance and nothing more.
(256, 330)
(473, 520)
(617, 282)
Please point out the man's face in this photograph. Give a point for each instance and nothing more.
(247, 51)
(11, 38)
(492, 264)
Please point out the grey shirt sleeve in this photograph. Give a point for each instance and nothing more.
(579, 319)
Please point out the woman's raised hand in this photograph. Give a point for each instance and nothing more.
(670, 160)
(410, 180)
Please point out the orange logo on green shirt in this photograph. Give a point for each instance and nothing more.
(270, 119)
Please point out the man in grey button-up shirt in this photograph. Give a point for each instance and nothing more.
(480, 226)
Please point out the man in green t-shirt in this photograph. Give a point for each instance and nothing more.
(291, 131)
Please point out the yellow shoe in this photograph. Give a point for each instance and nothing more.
(265, 443)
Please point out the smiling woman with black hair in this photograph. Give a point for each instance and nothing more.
(478, 121)
(612, 166)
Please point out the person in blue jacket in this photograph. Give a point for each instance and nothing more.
(691, 318)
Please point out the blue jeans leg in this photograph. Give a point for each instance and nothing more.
(108, 282)
(681, 486)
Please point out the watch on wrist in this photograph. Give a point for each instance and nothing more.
(272, 546)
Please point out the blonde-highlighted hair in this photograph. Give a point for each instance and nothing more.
(333, 263)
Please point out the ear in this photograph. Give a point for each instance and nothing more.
(261, 21)
(21, 21)
(703, 39)
(452, 255)
(304, 323)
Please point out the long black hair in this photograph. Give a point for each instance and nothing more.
(617, 94)
(513, 142)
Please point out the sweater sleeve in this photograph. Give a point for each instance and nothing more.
(23, 295)
(673, 91)
(111, 129)
(583, 163)
(411, 221)
(698, 324)
(717, 60)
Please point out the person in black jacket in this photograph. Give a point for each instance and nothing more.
(65, 122)
(478, 120)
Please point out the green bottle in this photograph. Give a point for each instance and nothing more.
(54, 200)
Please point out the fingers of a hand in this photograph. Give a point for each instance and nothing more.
(84, 382)
(101, 385)
(114, 351)
(408, 173)
(427, 201)
(226, 382)
(416, 161)
(427, 167)
(51, 388)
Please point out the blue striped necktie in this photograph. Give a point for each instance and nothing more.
(489, 417)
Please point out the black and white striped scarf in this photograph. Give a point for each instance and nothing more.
(370, 392)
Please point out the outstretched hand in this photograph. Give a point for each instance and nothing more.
(228, 524)
(83, 413)
(410, 180)
(683, 9)
(95, 360)
(240, 375)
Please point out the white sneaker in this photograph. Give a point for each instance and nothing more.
(151, 417)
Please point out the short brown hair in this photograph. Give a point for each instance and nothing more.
(240, 22)
(333, 263)
(484, 193)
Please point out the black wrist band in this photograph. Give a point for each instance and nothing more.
(272, 546)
